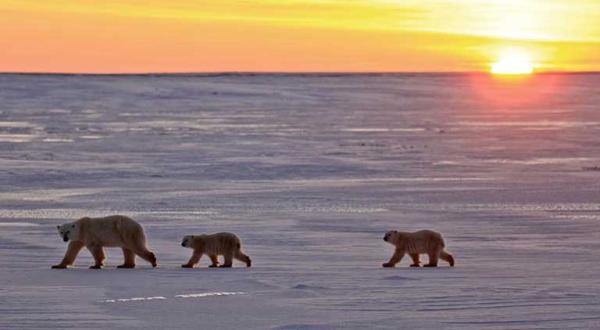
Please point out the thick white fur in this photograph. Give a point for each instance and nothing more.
(226, 244)
(97, 233)
(420, 242)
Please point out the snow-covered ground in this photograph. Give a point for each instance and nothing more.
(309, 171)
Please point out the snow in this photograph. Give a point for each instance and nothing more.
(310, 172)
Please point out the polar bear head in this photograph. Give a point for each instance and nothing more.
(68, 231)
(391, 237)
(187, 241)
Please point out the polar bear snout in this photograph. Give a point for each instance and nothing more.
(67, 232)
(186, 241)
(389, 236)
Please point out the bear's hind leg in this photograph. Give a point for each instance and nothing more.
(72, 251)
(433, 259)
(193, 260)
(228, 260)
(447, 257)
(415, 258)
(98, 254)
(239, 255)
(141, 251)
(128, 259)
(214, 261)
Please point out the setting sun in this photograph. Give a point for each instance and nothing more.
(513, 63)
(133, 36)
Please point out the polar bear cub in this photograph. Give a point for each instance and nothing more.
(111, 231)
(423, 241)
(226, 244)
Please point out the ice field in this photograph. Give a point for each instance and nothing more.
(310, 171)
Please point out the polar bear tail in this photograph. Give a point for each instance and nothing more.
(447, 257)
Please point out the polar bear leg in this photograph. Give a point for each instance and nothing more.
(141, 251)
(214, 261)
(193, 260)
(398, 254)
(72, 251)
(434, 256)
(447, 257)
(128, 259)
(415, 258)
(239, 255)
(228, 260)
(98, 253)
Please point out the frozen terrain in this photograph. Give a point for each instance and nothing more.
(310, 171)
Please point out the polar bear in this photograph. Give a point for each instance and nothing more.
(111, 231)
(423, 241)
(226, 244)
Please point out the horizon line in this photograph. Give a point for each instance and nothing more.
(298, 73)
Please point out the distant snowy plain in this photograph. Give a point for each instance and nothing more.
(310, 171)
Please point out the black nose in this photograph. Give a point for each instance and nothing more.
(385, 238)
(65, 239)
(183, 244)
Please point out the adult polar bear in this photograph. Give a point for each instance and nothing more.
(111, 231)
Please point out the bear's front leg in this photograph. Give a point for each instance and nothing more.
(214, 260)
(72, 251)
(98, 253)
(415, 258)
(398, 254)
(193, 260)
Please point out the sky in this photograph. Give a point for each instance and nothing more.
(131, 36)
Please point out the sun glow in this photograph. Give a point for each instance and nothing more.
(513, 63)
(134, 36)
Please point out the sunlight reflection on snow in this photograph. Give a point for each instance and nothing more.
(185, 296)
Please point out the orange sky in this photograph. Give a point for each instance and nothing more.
(295, 35)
